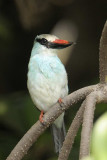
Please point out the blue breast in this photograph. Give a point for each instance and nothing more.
(50, 66)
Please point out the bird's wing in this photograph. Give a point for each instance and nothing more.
(52, 67)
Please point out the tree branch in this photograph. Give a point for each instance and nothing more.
(37, 129)
(103, 55)
(99, 95)
(88, 116)
(72, 132)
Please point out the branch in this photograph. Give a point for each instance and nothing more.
(72, 132)
(97, 96)
(37, 129)
(90, 103)
(100, 95)
(103, 55)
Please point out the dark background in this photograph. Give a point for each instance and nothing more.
(20, 22)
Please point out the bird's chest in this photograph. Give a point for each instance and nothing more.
(46, 71)
(46, 82)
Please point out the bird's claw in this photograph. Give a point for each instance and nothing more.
(41, 117)
(60, 102)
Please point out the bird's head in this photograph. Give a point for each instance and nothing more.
(48, 44)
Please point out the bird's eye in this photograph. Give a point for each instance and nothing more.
(43, 41)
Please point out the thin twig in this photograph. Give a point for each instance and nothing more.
(72, 132)
(90, 103)
(37, 129)
(103, 55)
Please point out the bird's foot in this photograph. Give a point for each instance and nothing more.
(61, 102)
(41, 117)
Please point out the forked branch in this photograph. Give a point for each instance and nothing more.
(72, 132)
(37, 129)
(87, 125)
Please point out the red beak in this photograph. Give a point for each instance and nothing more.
(59, 44)
(61, 41)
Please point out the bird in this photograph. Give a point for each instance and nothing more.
(47, 80)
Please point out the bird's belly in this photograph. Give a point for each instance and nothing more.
(45, 92)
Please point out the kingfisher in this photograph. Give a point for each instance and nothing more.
(47, 80)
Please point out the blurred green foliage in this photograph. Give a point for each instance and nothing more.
(17, 115)
(5, 33)
(99, 140)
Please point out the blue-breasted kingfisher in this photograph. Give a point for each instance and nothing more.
(47, 80)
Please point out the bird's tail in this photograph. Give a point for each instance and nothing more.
(58, 136)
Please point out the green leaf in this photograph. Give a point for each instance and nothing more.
(99, 138)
